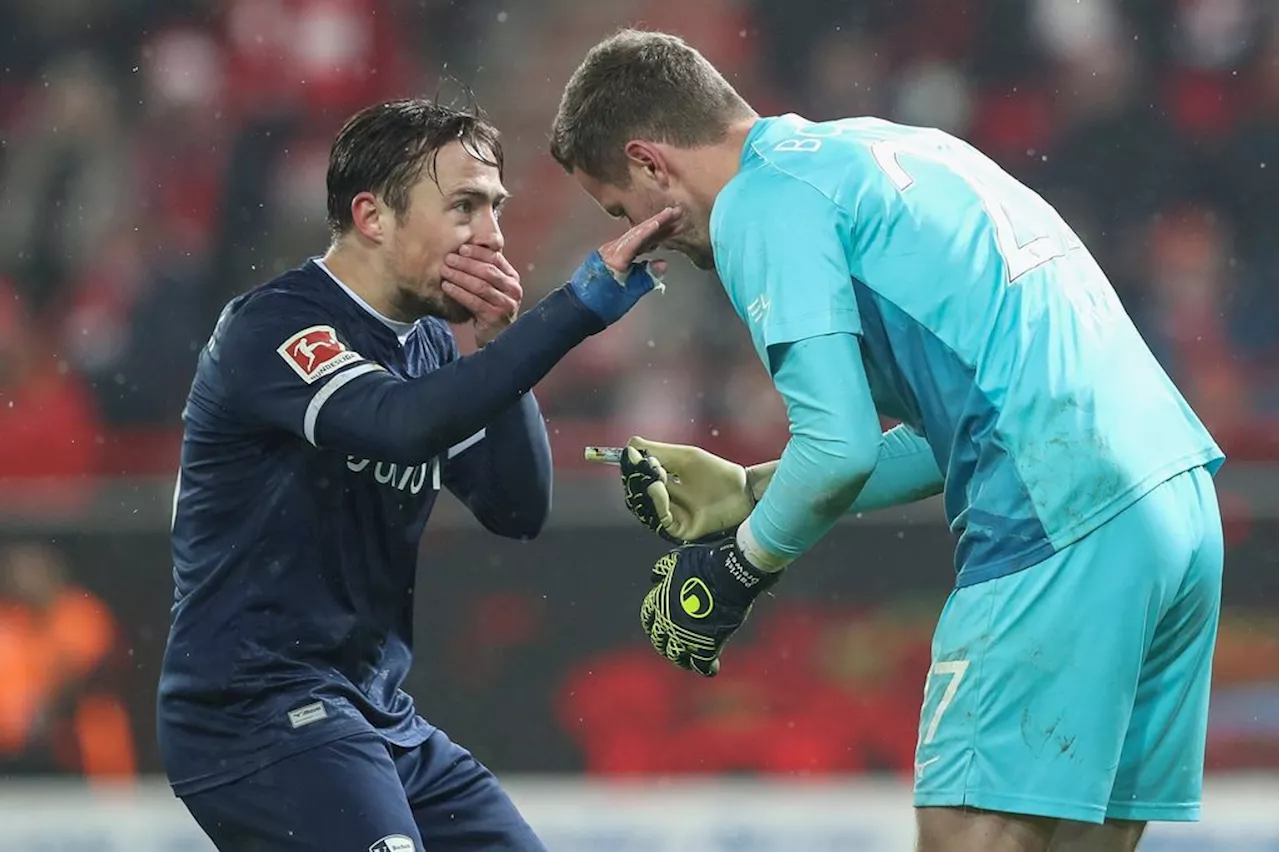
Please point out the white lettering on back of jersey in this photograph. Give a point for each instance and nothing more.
(798, 145)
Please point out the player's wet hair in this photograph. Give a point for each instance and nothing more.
(640, 85)
(385, 148)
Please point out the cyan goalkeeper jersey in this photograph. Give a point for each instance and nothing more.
(984, 324)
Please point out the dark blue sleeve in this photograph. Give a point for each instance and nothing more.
(355, 406)
(269, 360)
(504, 478)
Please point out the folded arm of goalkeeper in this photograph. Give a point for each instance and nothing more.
(687, 494)
(836, 461)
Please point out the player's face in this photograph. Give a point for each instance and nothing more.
(460, 206)
(642, 199)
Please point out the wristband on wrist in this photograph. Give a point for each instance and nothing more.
(756, 554)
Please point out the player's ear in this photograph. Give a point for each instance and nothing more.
(366, 216)
(645, 159)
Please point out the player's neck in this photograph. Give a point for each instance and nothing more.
(707, 170)
(361, 276)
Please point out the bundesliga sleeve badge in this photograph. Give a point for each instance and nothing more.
(316, 352)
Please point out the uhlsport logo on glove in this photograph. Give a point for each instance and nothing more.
(701, 594)
(695, 598)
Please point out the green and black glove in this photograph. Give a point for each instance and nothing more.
(701, 595)
(684, 493)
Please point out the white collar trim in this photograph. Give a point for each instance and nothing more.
(402, 329)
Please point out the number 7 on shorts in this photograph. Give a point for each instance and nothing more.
(954, 671)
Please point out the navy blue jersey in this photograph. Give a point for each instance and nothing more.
(307, 477)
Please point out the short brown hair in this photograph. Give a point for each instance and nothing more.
(384, 149)
(640, 85)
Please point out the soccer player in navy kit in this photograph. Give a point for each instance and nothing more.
(329, 407)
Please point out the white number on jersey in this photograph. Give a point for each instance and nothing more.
(1021, 254)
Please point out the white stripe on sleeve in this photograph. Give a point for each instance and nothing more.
(328, 390)
(463, 446)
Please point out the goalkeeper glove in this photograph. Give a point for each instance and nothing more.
(701, 595)
(684, 493)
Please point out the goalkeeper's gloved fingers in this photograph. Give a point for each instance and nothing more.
(647, 498)
(637, 459)
(668, 457)
(655, 488)
(668, 645)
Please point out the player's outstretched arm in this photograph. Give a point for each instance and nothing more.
(354, 406)
(383, 417)
(413, 420)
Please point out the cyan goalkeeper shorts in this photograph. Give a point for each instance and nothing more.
(1079, 688)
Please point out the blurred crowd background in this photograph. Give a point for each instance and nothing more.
(158, 157)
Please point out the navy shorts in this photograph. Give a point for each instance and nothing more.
(359, 794)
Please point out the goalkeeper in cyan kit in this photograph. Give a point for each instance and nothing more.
(883, 269)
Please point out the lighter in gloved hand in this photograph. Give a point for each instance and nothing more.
(684, 493)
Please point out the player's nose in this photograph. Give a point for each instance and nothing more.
(489, 235)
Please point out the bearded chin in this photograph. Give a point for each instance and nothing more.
(450, 310)
(417, 305)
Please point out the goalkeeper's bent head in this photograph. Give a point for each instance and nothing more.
(646, 122)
